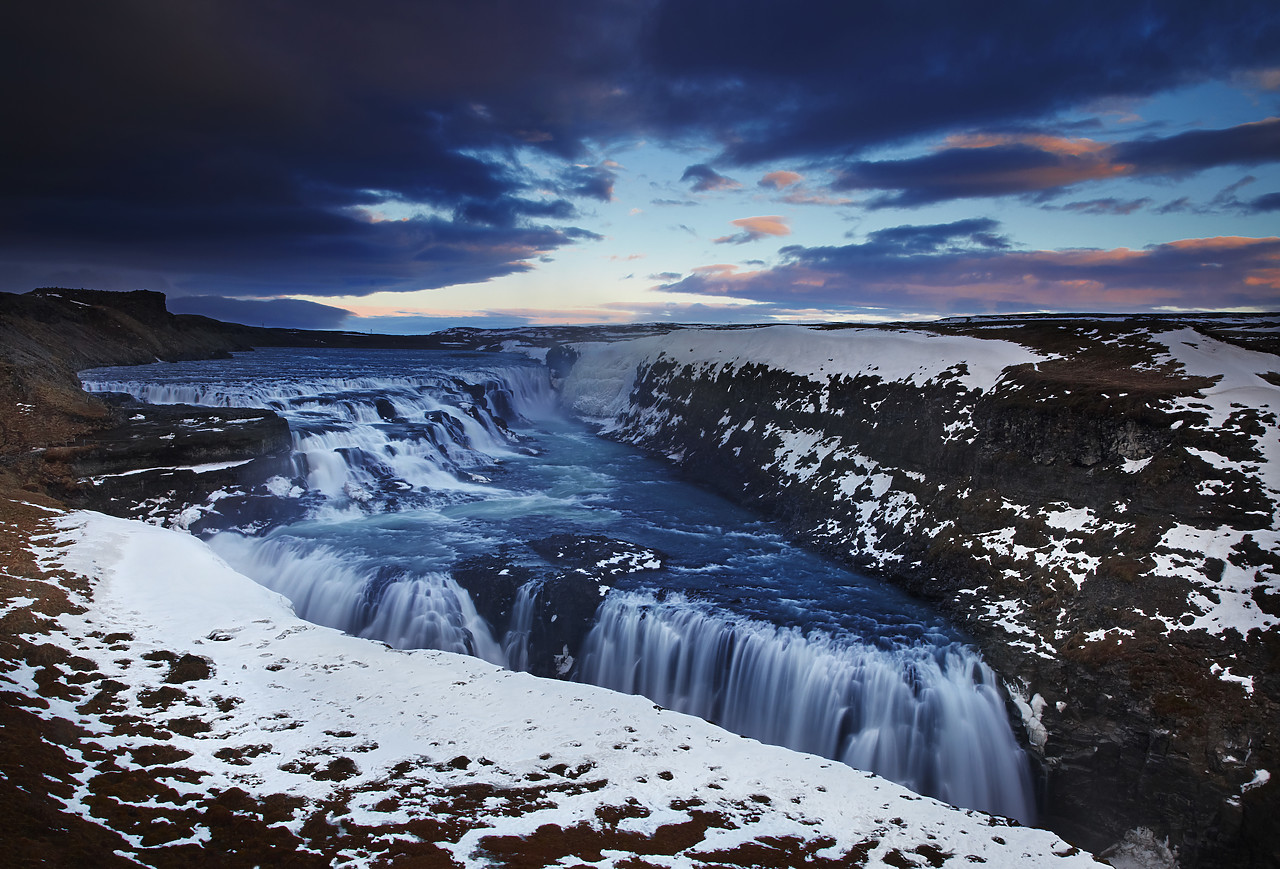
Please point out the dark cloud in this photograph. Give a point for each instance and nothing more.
(975, 232)
(593, 182)
(822, 77)
(273, 313)
(1226, 200)
(265, 253)
(1176, 206)
(705, 179)
(928, 269)
(239, 146)
(1266, 202)
(1004, 164)
(507, 211)
(1194, 151)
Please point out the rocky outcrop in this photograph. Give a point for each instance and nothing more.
(560, 581)
(182, 465)
(1098, 510)
(159, 461)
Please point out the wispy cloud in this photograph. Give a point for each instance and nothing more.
(706, 179)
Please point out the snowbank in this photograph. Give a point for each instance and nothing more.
(601, 380)
(309, 700)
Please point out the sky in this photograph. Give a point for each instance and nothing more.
(403, 167)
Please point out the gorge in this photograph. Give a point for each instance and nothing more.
(1091, 502)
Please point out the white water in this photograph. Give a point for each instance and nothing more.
(433, 459)
(927, 717)
(515, 645)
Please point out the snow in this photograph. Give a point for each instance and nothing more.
(1224, 604)
(204, 468)
(1239, 385)
(314, 694)
(1260, 778)
(601, 380)
(1225, 674)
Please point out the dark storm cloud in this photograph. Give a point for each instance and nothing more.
(819, 77)
(238, 146)
(246, 147)
(706, 179)
(1266, 202)
(976, 232)
(505, 211)
(1185, 153)
(970, 269)
(592, 182)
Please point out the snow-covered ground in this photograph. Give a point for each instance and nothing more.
(292, 708)
(605, 372)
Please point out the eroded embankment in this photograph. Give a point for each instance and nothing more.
(1095, 501)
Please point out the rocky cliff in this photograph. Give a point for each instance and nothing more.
(1094, 500)
(46, 336)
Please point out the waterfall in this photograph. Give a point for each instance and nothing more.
(396, 499)
(930, 718)
(380, 602)
(515, 645)
(369, 439)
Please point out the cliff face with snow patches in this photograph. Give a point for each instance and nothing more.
(1095, 501)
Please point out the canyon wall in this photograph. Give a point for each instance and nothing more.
(1094, 501)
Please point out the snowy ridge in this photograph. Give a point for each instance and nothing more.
(380, 737)
(601, 381)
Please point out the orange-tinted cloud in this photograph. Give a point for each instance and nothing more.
(754, 228)
(979, 165)
(781, 179)
(1049, 144)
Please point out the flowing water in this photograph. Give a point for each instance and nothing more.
(410, 463)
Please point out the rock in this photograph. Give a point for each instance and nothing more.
(176, 455)
(595, 556)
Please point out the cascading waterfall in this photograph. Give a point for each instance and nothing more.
(356, 439)
(398, 607)
(929, 718)
(515, 645)
(384, 458)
